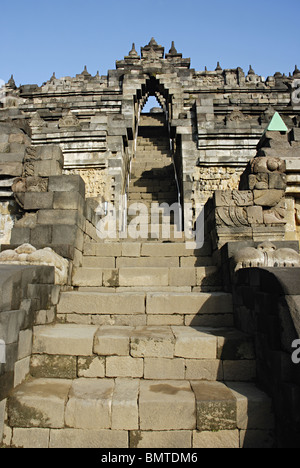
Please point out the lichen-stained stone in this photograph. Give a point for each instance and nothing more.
(216, 406)
(91, 367)
(89, 404)
(152, 342)
(39, 403)
(60, 367)
(167, 405)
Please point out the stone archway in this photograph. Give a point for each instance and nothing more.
(153, 180)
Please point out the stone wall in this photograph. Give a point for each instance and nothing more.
(267, 306)
(28, 297)
(216, 118)
(52, 207)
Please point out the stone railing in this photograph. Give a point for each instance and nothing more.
(267, 306)
(28, 297)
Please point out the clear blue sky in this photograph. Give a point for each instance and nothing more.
(38, 38)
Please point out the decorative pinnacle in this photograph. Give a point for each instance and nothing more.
(152, 42)
(296, 71)
(11, 82)
(219, 68)
(173, 50)
(251, 71)
(133, 52)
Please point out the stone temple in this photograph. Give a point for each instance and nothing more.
(149, 265)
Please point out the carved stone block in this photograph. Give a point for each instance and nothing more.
(267, 198)
(242, 197)
(255, 215)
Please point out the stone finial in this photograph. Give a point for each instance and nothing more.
(133, 53)
(219, 68)
(11, 82)
(173, 52)
(53, 77)
(173, 49)
(85, 72)
(296, 71)
(152, 42)
(251, 71)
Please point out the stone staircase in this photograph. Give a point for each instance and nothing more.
(152, 175)
(143, 354)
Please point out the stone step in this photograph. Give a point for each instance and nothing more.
(149, 352)
(181, 250)
(134, 413)
(146, 308)
(144, 275)
(145, 262)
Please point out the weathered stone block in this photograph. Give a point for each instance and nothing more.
(20, 235)
(55, 366)
(39, 403)
(70, 340)
(29, 438)
(47, 168)
(124, 366)
(14, 169)
(67, 183)
(277, 181)
(219, 439)
(50, 152)
(125, 405)
(186, 303)
(89, 404)
(68, 201)
(255, 215)
(267, 198)
(203, 369)
(194, 344)
(102, 303)
(112, 340)
(82, 438)
(36, 184)
(67, 234)
(41, 235)
(21, 370)
(38, 201)
(216, 406)
(254, 407)
(164, 369)
(91, 367)
(87, 277)
(152, 342)
(160, 439)
(65, 217)
(166, 406)
(24, 343)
